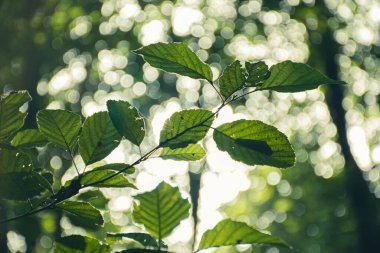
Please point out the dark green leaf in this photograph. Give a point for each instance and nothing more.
(161, 210)
(13, 161)
(255, 143)
(83, 210)
(60, 127)
(19, 186)
(98, 138)
(80, 244)
(185, 127)
(127, 120)
(42, 181)
(11, 119)
(231, 80)
(257, 73)
(29, 138)
(192, 152)
(289, 76)
(94, 176)
(145, 239)
(230, 233)
(176, 58)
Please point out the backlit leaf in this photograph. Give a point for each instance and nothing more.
(192, 152)
(60, 127)
(185, 127)
(289, 76)
(231, 233)
(127, 120)
(83, 210)
(127, 169)
(143, 251)
(176, 58)
(29, 138)
(98, 138)
(255, 143)
(231, 80)
(257, 73)
(11, 119)
(144, 239)
(118, 181)
(161, 210)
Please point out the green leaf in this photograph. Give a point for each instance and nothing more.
(43, 181)
(29, 138)
(60, 127)
(19, 186)
(142, 251)
(257, 73)
(230, 233)
(93, 176)
(231, 80)
(98, 138)
(80, 244)
(289, 76)
(11, 119)
(144, 239)
(13, 161)
(83, 210)
(117, 167)
(192, 152)
(161, 210)
(255, 143)
(176, 58)
(127, 120)
(185, 127)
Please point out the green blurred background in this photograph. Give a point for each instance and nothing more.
(77, 54)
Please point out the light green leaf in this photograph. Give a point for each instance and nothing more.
(257, 72)
(98, 138)
(192, 152)
(185, 127)
(83, 210)
(11, 119)
(93, 176)
(231, 80)
(127, 120)
(142, 251)
(161, 210)
(176, 58)
(29, 138)
(144, 239)
(60, 127)
(230, 233)
(289, 76)
(117, 167)
(255, 143)
(80, 244)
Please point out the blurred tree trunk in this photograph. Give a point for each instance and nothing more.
(364, 205)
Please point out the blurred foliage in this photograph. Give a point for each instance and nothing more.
(77, 55)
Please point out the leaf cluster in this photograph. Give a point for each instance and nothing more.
(161, 210)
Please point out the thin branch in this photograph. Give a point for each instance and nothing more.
(220, 95)
(141, 159)
(37, 210)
